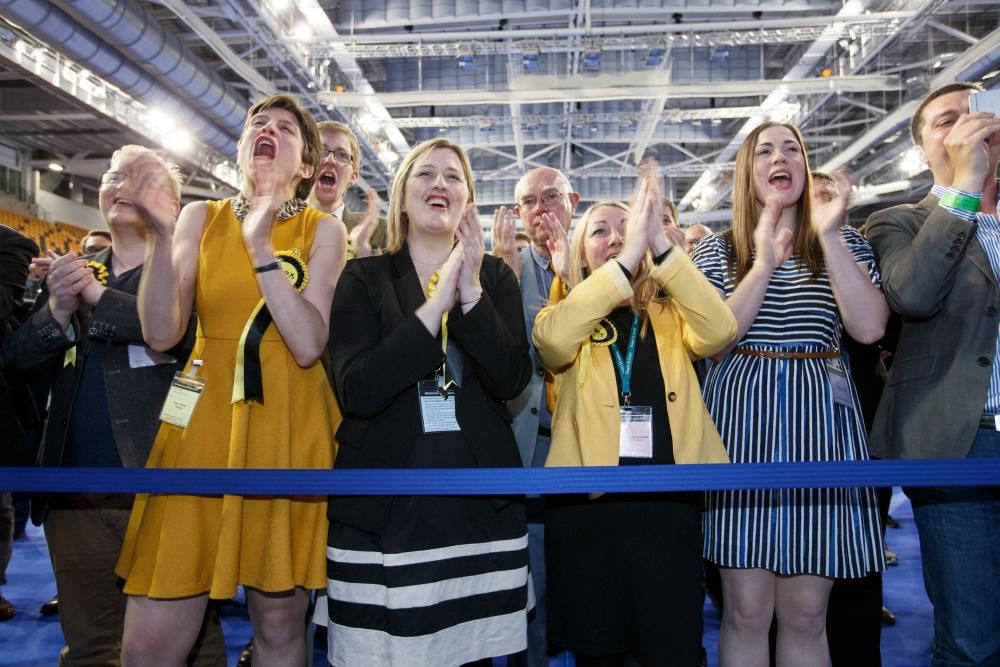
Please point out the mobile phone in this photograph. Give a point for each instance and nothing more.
(988, 100)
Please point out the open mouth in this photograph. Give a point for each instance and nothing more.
(264, 147)
(780, 178)
(124, 200)
(328, 178)
(437, 202)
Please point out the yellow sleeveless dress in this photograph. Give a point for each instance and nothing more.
(179, 546)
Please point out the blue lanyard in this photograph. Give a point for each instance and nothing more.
(625, 365)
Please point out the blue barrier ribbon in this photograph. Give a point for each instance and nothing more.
(505, 481)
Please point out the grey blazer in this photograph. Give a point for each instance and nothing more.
(134, 395)
(936, 275)
(524, 408)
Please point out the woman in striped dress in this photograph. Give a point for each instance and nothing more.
(434, 342)
(794, 279)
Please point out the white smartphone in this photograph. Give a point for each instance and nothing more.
(988, 100)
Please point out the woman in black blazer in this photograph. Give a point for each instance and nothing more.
(429, 343)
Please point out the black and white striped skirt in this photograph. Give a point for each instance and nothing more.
(447, 584)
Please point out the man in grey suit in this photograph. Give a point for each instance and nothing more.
(338, 171)
(940, 262)
(545, 202)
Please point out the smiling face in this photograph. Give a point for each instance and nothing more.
(273, 140)
(603, 235)
(123, 184)
(436, 193)
(334, 177)
(779, 166)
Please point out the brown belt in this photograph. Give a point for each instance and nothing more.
(778, 354)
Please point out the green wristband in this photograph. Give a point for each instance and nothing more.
(961, 202)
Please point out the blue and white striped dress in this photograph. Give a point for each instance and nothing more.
(783, 410)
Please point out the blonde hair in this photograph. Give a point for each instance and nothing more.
(398, 224)
(132, 152)
(745, 210)
(336, 127)
(644, 288)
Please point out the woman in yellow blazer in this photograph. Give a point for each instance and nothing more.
(625, 570)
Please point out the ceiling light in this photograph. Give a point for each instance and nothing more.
(302, 32)
(180, 141)
(990, 75)
(55, 166)
(911, 163)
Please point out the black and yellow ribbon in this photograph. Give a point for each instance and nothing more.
(443, 384)
(248, 383)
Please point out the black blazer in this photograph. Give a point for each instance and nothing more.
(16, 251)
(380, 350)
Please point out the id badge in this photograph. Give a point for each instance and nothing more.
(636, 432)
(143, 356)
(185, 390)
(839, 383)
(437, 407)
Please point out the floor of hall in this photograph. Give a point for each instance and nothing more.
(30, 640)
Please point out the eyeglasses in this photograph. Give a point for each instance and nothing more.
(341, 157)
(549, 198)
(113, 178)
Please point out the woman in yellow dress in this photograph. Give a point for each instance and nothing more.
(260, 271)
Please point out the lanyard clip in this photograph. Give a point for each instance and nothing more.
(627, 400)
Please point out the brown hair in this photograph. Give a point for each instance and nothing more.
(336, 127)
(746, 210)
(312, 146)
(398, 224)
(918, 115)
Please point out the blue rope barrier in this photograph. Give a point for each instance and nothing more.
(506, 481)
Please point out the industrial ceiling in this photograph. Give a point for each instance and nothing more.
(587, 86)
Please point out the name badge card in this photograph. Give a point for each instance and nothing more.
(185, 390)
(636, 432)
(437, 407)
(839, 383)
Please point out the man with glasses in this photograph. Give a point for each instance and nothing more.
(545, 204)
(338, 171)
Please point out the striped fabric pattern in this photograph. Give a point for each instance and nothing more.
(442, 606)
(778, 410)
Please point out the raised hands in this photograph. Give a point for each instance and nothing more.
(644, 229)
(68, 276)
(973, 147)
(263, 206)
(361, 235)
(505, 239)
(773, 248)
(830, 212)
(470, 240)
(557, 243)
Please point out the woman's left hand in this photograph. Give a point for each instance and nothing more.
(470, 234)
(829, 216)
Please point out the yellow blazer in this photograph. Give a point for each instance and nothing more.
(694, 323)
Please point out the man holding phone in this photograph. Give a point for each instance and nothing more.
(940, 263)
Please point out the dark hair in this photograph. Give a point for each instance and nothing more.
(823, 176)
(918, 116)
(312, 145)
